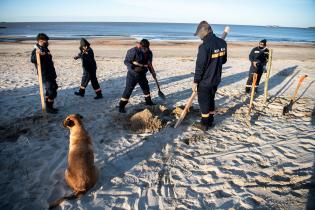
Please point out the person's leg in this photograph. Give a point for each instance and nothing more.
(84, 82)
(204, 104)
(213, 91)
(260, 71)
(51, 94)
(131, 82)
(96, 85)
(249, 82)
(144, 84)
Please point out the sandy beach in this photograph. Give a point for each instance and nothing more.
(262, 162)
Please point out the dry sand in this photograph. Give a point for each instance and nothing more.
(265, 162)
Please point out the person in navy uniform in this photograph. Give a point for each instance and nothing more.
(258, 58)
(89, 69)
(48, 70)
(212, 54)
(138, 61)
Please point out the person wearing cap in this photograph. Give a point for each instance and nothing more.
(89, 69)
(258, 58)
(49, 75)
(138, 61)
(212, 54)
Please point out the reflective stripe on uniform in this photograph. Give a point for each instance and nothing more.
(124, 99)
(216, 55)
(82, 87)
(98, 90)
(147, 95)
(205, 115)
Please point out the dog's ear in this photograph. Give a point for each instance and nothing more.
(80, 116)
(69, 123)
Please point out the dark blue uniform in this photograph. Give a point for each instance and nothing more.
(89, 69)
(48, 71)
(135, 73)
(261, 57)
(212, 54)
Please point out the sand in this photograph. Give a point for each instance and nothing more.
(265, 161)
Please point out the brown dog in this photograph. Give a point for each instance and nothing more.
(81, 173)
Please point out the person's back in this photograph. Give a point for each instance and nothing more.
(216, 53)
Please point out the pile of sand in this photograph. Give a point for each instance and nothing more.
(145, 122)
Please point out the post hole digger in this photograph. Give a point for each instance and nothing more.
(287, 108)
(211, 56)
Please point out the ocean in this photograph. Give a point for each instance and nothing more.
(151, 31)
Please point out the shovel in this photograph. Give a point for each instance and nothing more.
(287, 108)
(161, 95)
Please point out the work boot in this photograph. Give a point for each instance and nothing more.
(50, 109)
(203, 124)
(247, 89)
(81, 92)
(148, 101)
(122, 105)
(98, 95)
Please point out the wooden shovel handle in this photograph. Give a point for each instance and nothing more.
(40, 81)
(298, 86)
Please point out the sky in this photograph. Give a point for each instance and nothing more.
(294, 13)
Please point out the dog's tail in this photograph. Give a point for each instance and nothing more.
(72, 196)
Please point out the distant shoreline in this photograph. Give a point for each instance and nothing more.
(17, 39)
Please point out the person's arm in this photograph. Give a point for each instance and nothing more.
(129, 59)
(225, 55)
(252, 55)
(150, 65)
(33, 57)
(202, 58)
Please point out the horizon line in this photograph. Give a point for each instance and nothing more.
(280, 26)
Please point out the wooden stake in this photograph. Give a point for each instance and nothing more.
(40, 81)
(186, 109)
(267, 76)
(252, 93)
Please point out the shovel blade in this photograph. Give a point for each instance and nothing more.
(287, 108)
(162, 96)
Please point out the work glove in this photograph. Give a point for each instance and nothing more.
(194, 87)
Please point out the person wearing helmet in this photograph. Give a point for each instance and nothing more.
(48, 70)
(138, 61)
(89, 69)
(212, 54)
(258, 58)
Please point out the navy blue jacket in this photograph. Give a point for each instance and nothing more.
(47, 64)
(135, 54)
(212, 54)
(259, 55)
(88, 61)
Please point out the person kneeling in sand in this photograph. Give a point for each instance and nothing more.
(138, 61)
(89, 69)
(48, 70)
(258, 58)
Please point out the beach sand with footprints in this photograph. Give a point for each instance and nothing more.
(265, 161)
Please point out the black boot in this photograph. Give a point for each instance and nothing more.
(148, 101)
(247, 89)
(81, 92)
(203, 124)
(98, 95)
(50, 109)
(122, 105)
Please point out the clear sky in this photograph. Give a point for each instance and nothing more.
(299, 13)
